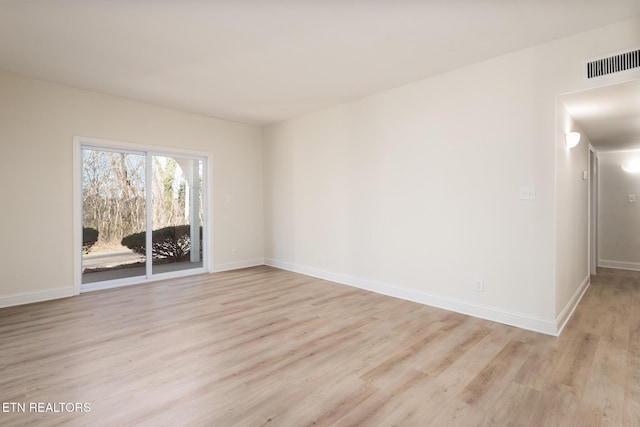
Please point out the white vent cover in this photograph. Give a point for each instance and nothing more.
(613, 64)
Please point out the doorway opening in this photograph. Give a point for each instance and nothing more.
(609, 116)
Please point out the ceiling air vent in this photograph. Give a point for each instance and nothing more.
(613, 64)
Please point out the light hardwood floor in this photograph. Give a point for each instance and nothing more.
(262, 346)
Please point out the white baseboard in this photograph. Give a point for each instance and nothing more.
(31, 297)
(623, 265)
(216, 268)
(568, 310)
(494, 314)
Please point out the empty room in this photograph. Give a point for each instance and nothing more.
(335, 213)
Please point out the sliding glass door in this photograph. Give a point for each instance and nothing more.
(177, 213)
(142, 215)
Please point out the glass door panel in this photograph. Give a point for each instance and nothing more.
(113, 215)
(177, 212)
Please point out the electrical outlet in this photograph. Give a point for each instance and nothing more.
(478, 285)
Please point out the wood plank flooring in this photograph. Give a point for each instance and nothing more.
(262, 346)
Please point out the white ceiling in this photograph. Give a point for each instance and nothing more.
(260, 61)
(609, 116)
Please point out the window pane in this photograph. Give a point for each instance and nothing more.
(177, 213)
(113, 215)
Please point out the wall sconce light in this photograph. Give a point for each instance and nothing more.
(631, 166)
(571, 139)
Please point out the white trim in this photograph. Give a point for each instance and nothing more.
(207, 215)
(623, 265)
(217, 268)
(77, 215)
(592, 241)
(132, 147)
(31, 297)
(148, 214)
(494, 314)
(567, 312)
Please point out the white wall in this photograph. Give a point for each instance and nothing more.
(572, 216)
(37, 123)
(619, 220)
(414, 192)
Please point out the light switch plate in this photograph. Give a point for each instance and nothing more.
(527, 192)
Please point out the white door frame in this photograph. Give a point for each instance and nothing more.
(80, 142)
(593, 210)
